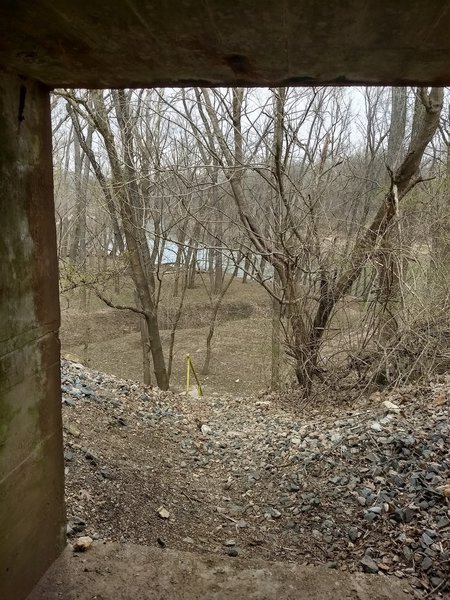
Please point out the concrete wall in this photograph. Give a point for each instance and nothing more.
(32, 519)
(139, 43)
(146, 43)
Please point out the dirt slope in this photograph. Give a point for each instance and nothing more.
(360, 489)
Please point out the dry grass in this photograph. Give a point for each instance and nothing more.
(240, 363)
(241, 344)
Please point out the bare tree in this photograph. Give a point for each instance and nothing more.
(308, 317)
(283, 186)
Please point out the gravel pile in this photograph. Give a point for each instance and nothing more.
(361, 488)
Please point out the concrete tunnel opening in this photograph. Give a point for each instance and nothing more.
(63, 45)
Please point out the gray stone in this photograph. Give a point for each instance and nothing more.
(375, 509)
(106, 474)
(91, 457)
(407, 553)
(353, 534)
(443, 522)
(370, 516)
(75, 525)
(426, 540)
(369, 565)
(373, 457)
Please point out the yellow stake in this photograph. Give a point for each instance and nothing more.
(188, 373)
(190, 366)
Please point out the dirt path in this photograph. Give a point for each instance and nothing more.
(353, 490)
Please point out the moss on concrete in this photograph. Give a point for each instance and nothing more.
(32, 515)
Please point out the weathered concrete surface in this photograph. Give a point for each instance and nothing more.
(129, 572)
(93, 43)
(31, 465)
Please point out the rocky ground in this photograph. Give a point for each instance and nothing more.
(363, 487)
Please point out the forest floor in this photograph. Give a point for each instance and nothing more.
(241, 344)
(354, 486)
(108, 339)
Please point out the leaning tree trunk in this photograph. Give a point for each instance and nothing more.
(390, 254)
(405, 177)
(308, 338)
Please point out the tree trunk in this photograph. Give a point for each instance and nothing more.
(391, 245)
(218, 236)
(218, 269)
(192, 266)
(247, 264)
(137, 245)
(85, 306)
(211, 268)
(397, 127)
(78, 242)
(175, 324)
(127, 193)
(145, 345)
(212, 326)
(179, 262)
(276, 335)
(212, 323)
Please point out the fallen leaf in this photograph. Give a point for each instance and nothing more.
(440, 400)
(444, 489)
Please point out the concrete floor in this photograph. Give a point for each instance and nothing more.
(130, 572)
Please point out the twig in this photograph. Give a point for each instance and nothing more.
(437, 588)
(228, 518)
(112, 304)
(325, 553)
(191, 498)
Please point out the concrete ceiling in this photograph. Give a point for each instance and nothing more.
(116, 43)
